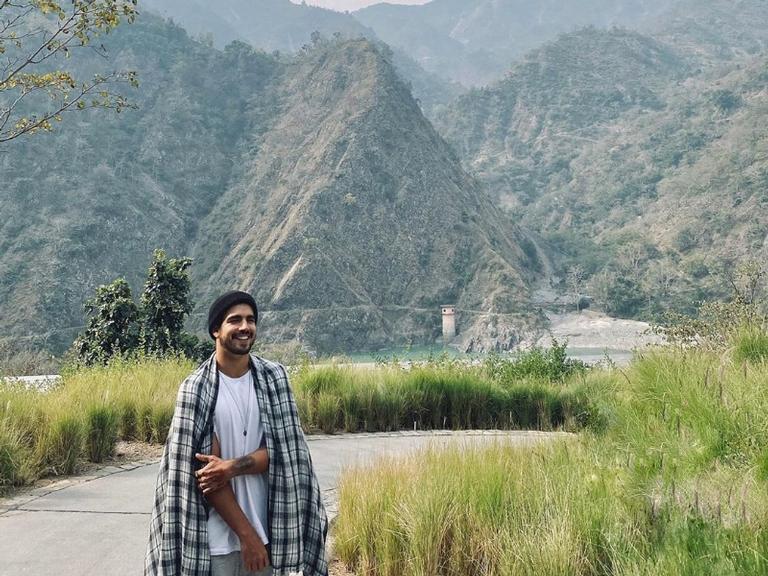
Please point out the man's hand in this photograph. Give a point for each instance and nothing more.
(215, 474)
(253, 551)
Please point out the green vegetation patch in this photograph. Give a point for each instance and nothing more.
(443, 394)
(674, 483)
(48, 433)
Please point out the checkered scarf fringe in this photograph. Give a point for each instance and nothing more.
(178, 539)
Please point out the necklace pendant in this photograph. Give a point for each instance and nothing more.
(245, 432)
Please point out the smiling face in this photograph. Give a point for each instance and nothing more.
(237, 331)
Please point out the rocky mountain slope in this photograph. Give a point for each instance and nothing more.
(313, 181)
(521, 133)
(353, 219)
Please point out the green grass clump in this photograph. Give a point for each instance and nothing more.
(101, 431)
(61, 444)
(751, 345)
(435, 396)
(674, 483)
(495, 510)
(83, 417)
(550, 364)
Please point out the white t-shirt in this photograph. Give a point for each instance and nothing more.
(237, 409)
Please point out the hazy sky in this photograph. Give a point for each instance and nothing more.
(342, 5)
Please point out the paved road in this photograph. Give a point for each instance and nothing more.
(97, 525)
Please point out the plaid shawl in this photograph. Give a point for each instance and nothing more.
(178, 539)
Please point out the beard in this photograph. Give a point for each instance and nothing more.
(237, 347)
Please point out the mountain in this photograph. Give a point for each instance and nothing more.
(521, 133)
(88, 203)
(281, 25)
(354, 219)
(313, 181)
(711, 32)
(266, 24)
(474, 42)
(640, 162)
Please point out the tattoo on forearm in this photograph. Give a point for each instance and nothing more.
(243, 464)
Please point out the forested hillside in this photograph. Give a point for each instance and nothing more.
(641, 161)
(313, 181)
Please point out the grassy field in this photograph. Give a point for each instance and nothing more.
(674, 483)
(49, 433)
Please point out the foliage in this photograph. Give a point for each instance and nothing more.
(165, 303)
(551, 364)
(101, 432)
(751, 345)
(446, 395)
(51, 432)
(111, 328)
(719, 325)
(34, 36)
(118, 328)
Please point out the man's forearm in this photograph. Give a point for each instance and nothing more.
(217, 472)
(257, 462)
(252, 549)
(224, 502)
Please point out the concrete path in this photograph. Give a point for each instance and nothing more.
(97, 525)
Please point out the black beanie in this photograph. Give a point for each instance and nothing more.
(225, 302)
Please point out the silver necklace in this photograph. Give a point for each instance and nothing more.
(247, 417)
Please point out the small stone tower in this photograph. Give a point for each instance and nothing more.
(449, 322)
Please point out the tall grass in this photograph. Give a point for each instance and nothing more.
(674, 484)
(342, 397)
(47, 433)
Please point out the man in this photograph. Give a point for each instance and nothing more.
(236, 493)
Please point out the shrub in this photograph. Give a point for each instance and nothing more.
(328, 412)
(551, 364)
(160, 423)
(17, 461)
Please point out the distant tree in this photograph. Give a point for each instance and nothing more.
(34, 36)
(574, 279)
(617, 293)
(165, 303)
(111, 329)
(747, 282)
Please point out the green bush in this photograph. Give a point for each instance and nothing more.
(328, 412)
(128, 421)
(17, 460)
(550, 364)
(440, 395)
(160, 423)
